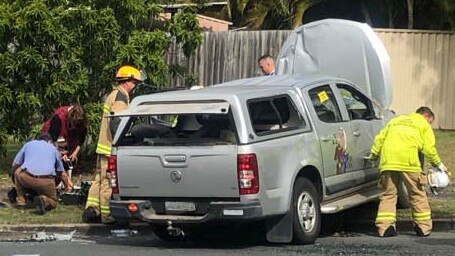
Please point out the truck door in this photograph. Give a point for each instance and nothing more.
(362, 121)
(333, 133)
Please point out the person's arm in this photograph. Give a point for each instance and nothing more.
(82, 137)
(60, 171)
(12, 171)
(19, 158)
(73, 156)
(81, 140)
(54, 127)
(429, 147)
(378, 142)
(17, 162)
(66, 181)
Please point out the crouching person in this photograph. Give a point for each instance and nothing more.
(37, 165)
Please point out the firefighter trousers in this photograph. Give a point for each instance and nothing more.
(100, 191)
(415, 183)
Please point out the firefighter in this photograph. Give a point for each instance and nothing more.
(99, 195)
(398, 146)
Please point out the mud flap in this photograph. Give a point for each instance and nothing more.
(279, 230)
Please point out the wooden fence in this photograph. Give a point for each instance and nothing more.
(423, 65)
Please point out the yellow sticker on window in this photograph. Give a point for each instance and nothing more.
(323, 96)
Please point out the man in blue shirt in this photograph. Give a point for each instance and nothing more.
(36, 166)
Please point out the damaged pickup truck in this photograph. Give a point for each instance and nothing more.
(280, 150)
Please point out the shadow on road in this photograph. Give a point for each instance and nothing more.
(353, 222)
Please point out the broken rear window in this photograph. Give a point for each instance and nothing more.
(179, 129)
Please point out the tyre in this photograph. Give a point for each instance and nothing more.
(403, 196)
(306, 212)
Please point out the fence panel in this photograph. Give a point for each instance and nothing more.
(422, 63)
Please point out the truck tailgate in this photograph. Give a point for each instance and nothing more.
(178, 171)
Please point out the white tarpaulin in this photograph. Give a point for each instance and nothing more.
(341, 48)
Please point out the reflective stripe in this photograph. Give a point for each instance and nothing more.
(103, 149)
(106, 109)
(386, 216)
(421, 215)
(105, 209)
(174, 122)
(92, 201)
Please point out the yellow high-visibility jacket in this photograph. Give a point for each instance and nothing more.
(398, 144)
(116, 101)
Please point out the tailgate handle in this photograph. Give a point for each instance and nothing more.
(175, 158)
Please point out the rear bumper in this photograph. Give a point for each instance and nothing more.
(216, 212)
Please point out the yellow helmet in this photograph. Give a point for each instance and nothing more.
(129, 72)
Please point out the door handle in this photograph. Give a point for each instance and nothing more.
(356, 133)
(326, 139)
(329, 138)
(175, 158)
(174, 161)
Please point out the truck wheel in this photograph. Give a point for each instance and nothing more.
(306, 212)
(403, 196)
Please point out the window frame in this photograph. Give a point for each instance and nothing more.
(301, 121)
(333, 99)
(369, 113)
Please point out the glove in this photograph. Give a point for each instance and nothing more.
(371, 157)
(442, 168)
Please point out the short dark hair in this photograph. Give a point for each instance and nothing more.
(44, 136)
(265, 56)
(425, 111)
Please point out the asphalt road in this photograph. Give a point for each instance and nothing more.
(406, 243)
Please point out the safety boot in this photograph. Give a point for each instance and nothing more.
(419, 232)
(90, 215)
(390, 232)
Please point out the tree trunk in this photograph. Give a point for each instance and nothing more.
(410, 13)
(366, 14)
(391, 16)
(298, 10)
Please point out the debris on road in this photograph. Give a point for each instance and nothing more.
(43, 237)
(124, 232)
(35, 237)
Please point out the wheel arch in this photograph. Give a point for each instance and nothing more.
(312, 174)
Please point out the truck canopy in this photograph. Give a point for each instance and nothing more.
(340, 48)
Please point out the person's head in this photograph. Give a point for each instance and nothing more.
(266, 64)
(128, 77)
(426, 113)
(44, 136)
(76, 118)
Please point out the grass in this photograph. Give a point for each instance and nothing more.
(63, 214)
(440, 209)
(72, 214)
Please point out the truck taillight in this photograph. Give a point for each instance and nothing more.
(248, 174)
(112, 170)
